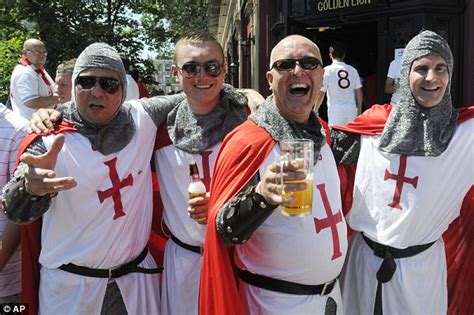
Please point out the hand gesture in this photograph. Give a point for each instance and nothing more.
(275, 181)
(42, 120)
(40, 178)
(198, 208)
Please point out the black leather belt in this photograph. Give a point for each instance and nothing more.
(285, 286)
(196, 249)
(388, 266)
(113, 272)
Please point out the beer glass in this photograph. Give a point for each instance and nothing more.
(300, 151)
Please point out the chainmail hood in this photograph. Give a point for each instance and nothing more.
(116, 134)
(412, 129)
(280, 128)
(194, 133)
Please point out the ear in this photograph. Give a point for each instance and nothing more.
(269, 76)
(224, 68)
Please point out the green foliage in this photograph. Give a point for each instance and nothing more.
(175, 18)
(10, 53)
(67, 27)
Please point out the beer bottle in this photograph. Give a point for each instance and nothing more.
(196, 187)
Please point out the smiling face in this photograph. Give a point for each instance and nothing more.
(429, 78)
(202, 90)
(95, 105)
(295, 91)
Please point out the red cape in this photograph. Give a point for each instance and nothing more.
(158, 236)
(460, 234)
(237, 162)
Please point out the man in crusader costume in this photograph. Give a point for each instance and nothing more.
(284, 265)
(414, 168)
(193, 131)
(91, 186)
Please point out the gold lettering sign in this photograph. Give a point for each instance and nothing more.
(329, 5)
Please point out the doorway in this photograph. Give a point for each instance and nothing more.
(361, 41)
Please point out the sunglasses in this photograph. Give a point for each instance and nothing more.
(191, 69)
(109, 85)
(306, 63)
(38, 52)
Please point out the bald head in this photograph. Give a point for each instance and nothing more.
(32, 43)
(293, 43)
(35, 52)
(296, 82)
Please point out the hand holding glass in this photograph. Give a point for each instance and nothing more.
(297, 152)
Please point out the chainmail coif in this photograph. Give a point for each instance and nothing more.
(269, 118)
(412, 129)
(117, 133)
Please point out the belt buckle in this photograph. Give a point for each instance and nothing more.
(201, 250)
(111, 271)
(326, 287)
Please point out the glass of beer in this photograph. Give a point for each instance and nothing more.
(300, 151)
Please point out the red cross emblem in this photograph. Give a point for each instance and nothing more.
(206, 170)
(400, 178)
(330, 221)
(114, 191)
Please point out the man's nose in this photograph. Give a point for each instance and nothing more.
(298, 69)
(430, 75)
(97, 89)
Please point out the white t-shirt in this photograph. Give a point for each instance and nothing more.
(12, 131)
(133, 93)
(26, 85)
(340, 82)
(394, 73)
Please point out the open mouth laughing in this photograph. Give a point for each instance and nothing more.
(299, 89)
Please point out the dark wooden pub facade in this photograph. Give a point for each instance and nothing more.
(370, 29)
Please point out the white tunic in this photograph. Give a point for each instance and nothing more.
(291, 248)
(84, 226)
(26, 85)
(180, 288)
(416, 213)
(340, 82)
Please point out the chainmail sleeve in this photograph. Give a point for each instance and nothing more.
(238, 219)
(345, 147)
(158, 107)
(19, 205)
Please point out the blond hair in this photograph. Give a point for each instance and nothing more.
(196, 38)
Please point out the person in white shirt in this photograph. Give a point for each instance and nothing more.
(343, 87)
(31, 87)
(392, 83)
(133, 93)
(12, 129)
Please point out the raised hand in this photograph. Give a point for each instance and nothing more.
(40, 177)
(42, 120)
